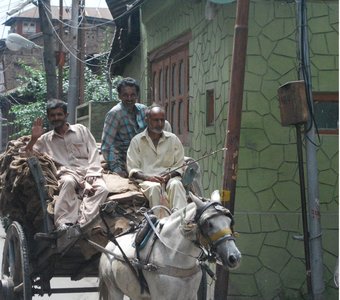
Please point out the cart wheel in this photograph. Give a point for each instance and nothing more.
(15, 276)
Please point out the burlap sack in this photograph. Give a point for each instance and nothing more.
(117, 184)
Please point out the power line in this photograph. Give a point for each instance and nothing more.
(68, 49)
(77, 26)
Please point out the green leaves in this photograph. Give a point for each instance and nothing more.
(33, 91)
(25, 114)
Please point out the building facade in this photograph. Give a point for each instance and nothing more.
(184, 62)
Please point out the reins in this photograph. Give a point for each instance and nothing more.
(113, 239)
(160, 238)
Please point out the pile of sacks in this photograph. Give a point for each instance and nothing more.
(19, 196)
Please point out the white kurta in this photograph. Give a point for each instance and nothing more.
(143, 156)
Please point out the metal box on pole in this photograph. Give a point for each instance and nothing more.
(293, 103)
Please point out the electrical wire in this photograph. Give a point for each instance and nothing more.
(132, 8)
(6, 16)
(68, 49)
(77, 26)
(85, 61)
(304, 70)
(89, 59)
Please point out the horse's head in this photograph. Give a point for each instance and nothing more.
(215, 227)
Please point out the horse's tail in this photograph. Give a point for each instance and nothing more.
(103, 291)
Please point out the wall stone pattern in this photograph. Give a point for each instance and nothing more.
(268, 208)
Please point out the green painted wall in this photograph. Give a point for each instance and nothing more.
(267, 207)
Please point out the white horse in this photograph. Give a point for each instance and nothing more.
(169, 261)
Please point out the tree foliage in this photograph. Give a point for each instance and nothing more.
(33, 90)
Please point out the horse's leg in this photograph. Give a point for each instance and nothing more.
(108, 287)
(128, 283)
(168, 288)
(109, 290)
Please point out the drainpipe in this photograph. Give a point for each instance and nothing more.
(233, 127)
(318, 285)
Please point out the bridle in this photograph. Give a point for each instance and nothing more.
(203, 215)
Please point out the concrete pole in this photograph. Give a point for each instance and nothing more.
(49, 47)
(72, 97)
(314, 215)
(61, 57)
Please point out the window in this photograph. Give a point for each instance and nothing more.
(326, 112)
(170, 88)
(210, 107)
(28, 27)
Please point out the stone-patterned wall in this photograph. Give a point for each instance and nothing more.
(268, 196)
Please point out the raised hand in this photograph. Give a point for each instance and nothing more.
(37, 128)
(37, 131)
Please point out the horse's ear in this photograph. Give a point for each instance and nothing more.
(216, 196)
(199, 203)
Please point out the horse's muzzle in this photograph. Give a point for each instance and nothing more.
(232, 261)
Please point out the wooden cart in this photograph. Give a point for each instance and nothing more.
(32, 258)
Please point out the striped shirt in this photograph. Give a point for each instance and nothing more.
(120, 127)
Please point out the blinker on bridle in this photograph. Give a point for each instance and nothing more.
(218, 237)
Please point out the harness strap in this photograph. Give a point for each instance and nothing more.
(155, 238)
(219, 234)
(202, 209)
(216, 238)
(177, 272)
(114, 240)
(164, 270)
(142, 280)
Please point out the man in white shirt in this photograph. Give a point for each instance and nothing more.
(74, 151)
(155, 158)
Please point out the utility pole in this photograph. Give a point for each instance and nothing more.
(49, 47)
(61, 54)
(72, 98)
(294, 111)
(318, 285)
(0, 128)
(233, 127)
(81, 56)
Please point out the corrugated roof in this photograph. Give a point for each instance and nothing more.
(33, 13)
